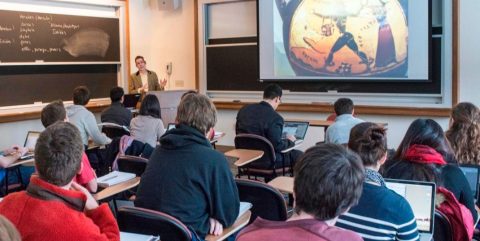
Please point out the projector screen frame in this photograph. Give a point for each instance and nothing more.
(353, 79)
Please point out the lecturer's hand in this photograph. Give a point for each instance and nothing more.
(216, 228)
(163, 83)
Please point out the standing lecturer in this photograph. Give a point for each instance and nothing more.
(144, 80)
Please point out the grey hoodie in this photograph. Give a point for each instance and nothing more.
(85, 121)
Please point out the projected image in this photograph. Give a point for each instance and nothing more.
(342, 38)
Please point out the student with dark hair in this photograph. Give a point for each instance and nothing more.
(186, 178)
(339, 131)
(83, 119)
(144, 80)
(116, 113)
(148, 127)
(464, 133)
(54, 112)
(262, 119)
(328, 181)
(54, 207)
(375, 218)
(425, 154)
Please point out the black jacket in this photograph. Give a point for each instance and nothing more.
(261, 119)
(189, 180)
(117, 114)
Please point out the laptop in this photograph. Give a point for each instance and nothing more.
(30, 142)
(472, 174)
(421, 197)
(170, 126)
(298, 129)
(130, 100)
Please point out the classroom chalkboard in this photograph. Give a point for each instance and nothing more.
(44, 37)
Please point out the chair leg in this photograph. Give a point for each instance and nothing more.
(6, 182)
(20, 180)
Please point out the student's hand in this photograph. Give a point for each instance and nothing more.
(216, 228)
(91, 202)
(12, 149)
(292, 138)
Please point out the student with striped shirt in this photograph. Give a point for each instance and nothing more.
(381, 214)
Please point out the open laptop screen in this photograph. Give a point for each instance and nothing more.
(472, 175)
(170, 126)
(294, 128)
(421, 197)
(31, 140)
(130, 100)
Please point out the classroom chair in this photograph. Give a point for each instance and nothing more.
(268, 203)
(150, 222)
(265, 166)
(132, 164)
(442, 228)
(113, 130)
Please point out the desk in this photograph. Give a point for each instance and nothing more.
(115, 189)
(241, 222)
(291, 148)
(244, 156)
(15, 165)
(317, 123)
(283, 184)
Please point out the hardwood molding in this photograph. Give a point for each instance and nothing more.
(360, 109)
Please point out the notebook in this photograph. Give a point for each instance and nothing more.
(114, 178)
(472, 175)
(298, 129)
(130, 100)
(244, 207)
(421, 197)
(124, 236)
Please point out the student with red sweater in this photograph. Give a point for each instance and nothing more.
(54, 207)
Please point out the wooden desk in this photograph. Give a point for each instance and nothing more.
(115, 189)
(125, 236)
(283, 184)
(317, 123)
(244, 156)
(19, 162)
(241, 222)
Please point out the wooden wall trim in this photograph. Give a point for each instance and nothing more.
(360, 109)
(455, 51)
(32, 113)
(195, 27)
(127, 33)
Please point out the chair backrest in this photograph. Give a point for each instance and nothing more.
(256, 142)
(113, 130)
(132, 164)
(150, 222)
(268, 202)
(442, 229)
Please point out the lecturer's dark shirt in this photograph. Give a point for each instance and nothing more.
(261, 119)
(117, 114)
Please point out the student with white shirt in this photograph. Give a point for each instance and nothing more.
(144, 80)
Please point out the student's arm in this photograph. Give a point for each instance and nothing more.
(101, 216)
(93, 131)
(224, 195)
(11, 155)
(160, 130)
(457, 181)
(274, 134)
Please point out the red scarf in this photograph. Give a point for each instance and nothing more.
(424, 155)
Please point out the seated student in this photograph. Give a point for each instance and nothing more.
(148, 127)
(186, 177)
(83, 119)
(263, 120)
(9, 156)
(8, 232)
(54, 207)
(339, 131)
(116, 113)
(428, 133)
(53, 112)
(464, 133)
(328, 181)
(381, 214)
